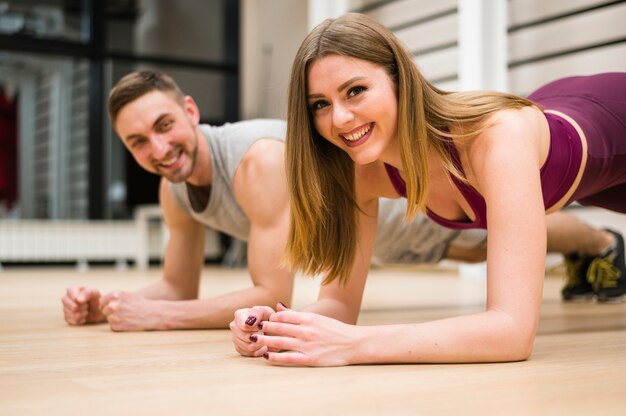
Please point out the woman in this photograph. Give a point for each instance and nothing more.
(363, 123)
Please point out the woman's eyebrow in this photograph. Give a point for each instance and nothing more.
(339, 89)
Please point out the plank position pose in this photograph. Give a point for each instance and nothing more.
(364, 123)
(232, 178)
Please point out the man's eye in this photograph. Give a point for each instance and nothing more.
(136, 143)
(165, 125)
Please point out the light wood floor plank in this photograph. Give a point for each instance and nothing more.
(48, 368)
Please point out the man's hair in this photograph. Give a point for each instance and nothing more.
(137, 84)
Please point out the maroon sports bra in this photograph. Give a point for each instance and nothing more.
(558, 173)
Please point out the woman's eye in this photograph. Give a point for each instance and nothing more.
(318, 105)
(354, 91)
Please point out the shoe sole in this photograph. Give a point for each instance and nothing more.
(615, 299)
(579, 298)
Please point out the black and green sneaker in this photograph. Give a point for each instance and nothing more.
(577, 288)
(607, 273)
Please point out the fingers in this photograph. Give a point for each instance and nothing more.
(73, 292)
(110, 308)
(281, 336)
(289, 358)
(248, 319)
(278, 343)
(110, 303)
(244, 330)
(258, 314)
(245, 342)
(69, 303)
(246, 326)
(291, 317)
(283, 329)
(108, 298)
(129, 311)
(242, 334)
(76, 304)
(81, 294)
(73, 313)
(257, 344)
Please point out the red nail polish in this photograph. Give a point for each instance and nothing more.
(260, 325)
(251, 320)
(253, 337)
(283, 305)
(266, 355)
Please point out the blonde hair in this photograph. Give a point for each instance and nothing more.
(136, 84)
(323, 231)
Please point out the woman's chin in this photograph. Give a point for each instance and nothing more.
(364, 158)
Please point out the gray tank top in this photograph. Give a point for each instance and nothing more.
(227, 145)
(420, 241)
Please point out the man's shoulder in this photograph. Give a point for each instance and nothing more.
(265, 153)
(249, 123)
(248, 129)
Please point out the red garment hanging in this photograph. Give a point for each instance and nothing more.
(8, 150)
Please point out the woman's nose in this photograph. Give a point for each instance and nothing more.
(342, 115)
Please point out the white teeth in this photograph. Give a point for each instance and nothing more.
(171, 161)
(356, 136)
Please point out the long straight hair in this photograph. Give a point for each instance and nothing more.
(324, 233)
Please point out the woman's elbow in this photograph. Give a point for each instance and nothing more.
(520, 346)
(270, 296)
(522, 352)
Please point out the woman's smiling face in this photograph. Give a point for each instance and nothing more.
(353, 104)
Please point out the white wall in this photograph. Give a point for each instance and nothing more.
(272, 31)
(554, 39)
(179, 29)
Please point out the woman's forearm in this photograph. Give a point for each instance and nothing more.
(333, 309)
(490, 336)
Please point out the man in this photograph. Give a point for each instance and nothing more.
(232, 179)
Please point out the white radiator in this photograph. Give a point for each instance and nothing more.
(81, 241)
(49, 241)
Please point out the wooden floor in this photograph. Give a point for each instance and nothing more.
(48, 368)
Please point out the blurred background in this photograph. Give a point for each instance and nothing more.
(61, 161)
